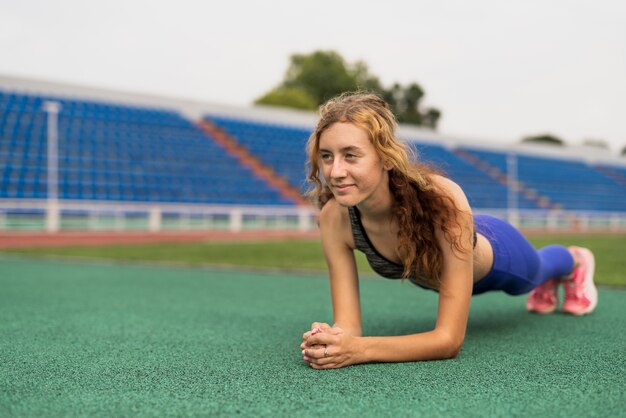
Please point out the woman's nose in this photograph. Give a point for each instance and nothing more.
(338, 169)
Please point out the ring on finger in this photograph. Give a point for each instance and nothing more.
(325, 352)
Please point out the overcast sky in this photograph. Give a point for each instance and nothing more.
(497, 69)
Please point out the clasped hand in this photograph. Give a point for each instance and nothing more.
(326, 347)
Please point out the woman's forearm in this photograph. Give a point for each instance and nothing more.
(353, 330)
(432, 345)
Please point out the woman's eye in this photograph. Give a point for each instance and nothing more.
(327, 157)
(350, 156)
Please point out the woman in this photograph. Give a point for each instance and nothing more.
(412, 222)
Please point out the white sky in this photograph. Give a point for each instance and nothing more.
(497, 69)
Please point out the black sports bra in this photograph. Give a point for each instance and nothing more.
(378, 262)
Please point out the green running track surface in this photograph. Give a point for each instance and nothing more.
(95, 339)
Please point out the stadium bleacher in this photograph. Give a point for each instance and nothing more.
(283, 148)
(573, 185)
(278, 146)
(482, 190)
(120, 153)
(617, 174)
(117, 152)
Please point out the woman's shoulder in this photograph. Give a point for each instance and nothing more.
(334, 221)
(333, 213)
(444, 182)
(450, 188)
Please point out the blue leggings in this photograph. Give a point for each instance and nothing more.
(517, 267)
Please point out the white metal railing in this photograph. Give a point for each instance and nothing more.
(56, 215)
(60, 215)
(561, 220)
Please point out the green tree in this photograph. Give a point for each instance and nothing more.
(322, 75)
(544, 139)
(290, 97)
(325, 74)
(406, 101)
(431, 118)
(624, 150)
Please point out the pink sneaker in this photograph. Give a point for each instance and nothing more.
(543, 299)
(581, 295)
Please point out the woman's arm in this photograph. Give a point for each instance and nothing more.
(444, 341)
(455, 293)
(344, 284)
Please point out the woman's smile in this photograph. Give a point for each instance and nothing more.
(342, 188)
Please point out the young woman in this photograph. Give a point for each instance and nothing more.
(412, 222)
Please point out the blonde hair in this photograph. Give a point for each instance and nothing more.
(419, 205)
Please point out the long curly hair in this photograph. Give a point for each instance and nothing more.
(420, 206)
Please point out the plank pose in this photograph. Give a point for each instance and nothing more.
(412, 222)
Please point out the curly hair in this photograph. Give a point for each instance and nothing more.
(418, 203)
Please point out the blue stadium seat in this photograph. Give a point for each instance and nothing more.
(572, 184)
(482, 190)
(118, 152)
(281, 147)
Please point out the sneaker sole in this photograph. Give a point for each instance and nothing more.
(590, 288)
(542, 312)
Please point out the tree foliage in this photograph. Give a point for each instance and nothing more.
(322, 75)
(289, 97)
(544, 139)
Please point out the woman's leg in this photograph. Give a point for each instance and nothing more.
(518, 268)
(556, 262)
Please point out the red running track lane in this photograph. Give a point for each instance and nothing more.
(42, 239)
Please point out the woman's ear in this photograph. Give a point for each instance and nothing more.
(387, 165)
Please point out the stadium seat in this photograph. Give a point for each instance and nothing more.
(117, 152)
(573, 185)
(120, 152)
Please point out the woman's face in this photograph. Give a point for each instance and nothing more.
(350, 165)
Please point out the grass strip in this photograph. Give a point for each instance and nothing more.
(294, 254)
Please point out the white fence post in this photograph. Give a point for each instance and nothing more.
(304, 223)
(154, 220)
(52, 216)
(236, 220)
(552, 221)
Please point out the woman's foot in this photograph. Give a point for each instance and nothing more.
(543, 299)
(581, 295)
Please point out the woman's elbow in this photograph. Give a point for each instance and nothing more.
(454, 352)
(451, 347)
